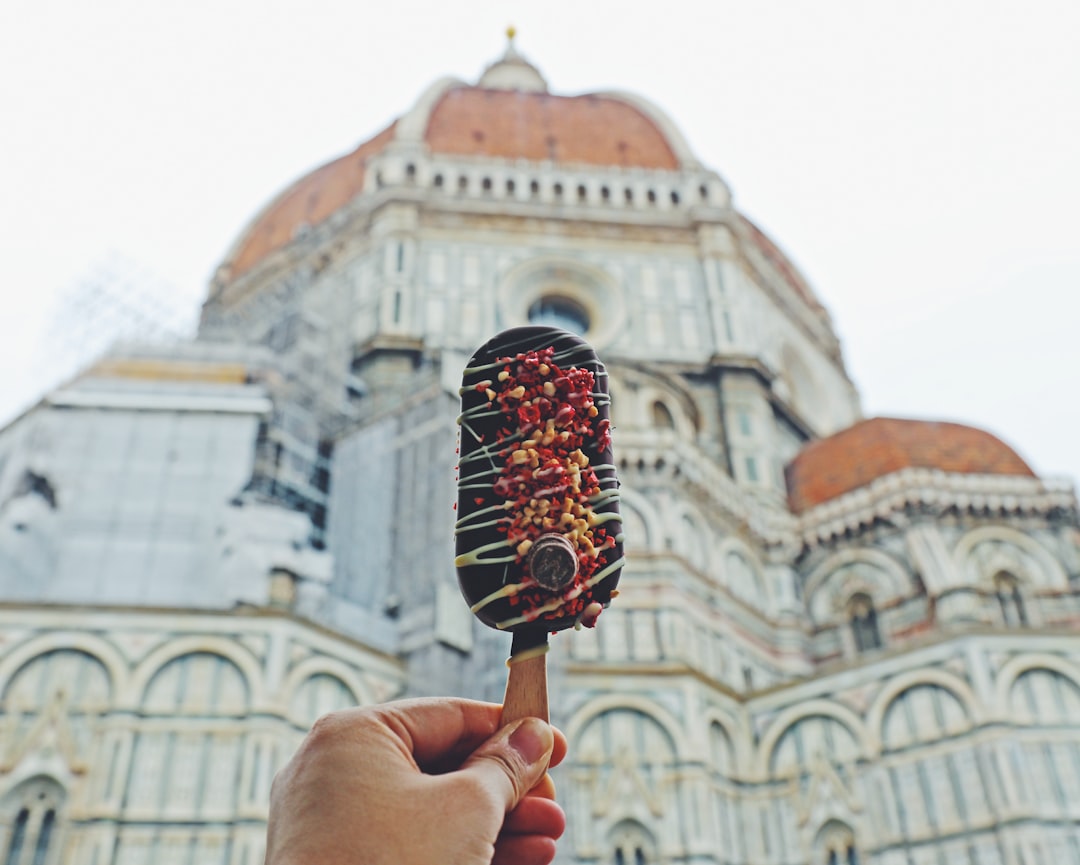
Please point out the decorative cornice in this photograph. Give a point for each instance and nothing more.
(772, 526)
(892, 497)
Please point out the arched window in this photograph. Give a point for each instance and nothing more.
(864, 624)
(1010, 600)
(625, 761)
(662, 418)
(34, 805)
(206, 688)
(65, 680)
(743, 579)
(631, 845)
(811, 739)
(18, 838)
(836, 846)
(316, 696)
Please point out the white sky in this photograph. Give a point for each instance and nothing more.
(919, 160)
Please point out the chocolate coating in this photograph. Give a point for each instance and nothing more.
(536, 470)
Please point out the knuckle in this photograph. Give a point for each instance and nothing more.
(325, 727)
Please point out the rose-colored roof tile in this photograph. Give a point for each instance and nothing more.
(870, 449)
(309, 201)
(583, 130)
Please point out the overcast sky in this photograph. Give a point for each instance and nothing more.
(919, 161)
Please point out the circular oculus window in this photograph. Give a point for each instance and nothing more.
(577, 297)
(559, 311)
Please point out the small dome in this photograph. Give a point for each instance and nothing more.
(512, 71)
(860, 454)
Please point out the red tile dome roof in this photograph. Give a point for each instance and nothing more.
(573, 130)
(310, 200)
(852, 458)
(508, 115)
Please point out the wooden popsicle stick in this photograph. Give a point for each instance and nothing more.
(526, 689)
(526, 686)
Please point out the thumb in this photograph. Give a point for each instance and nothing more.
(513, 761)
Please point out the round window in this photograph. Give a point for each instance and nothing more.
(560, 312)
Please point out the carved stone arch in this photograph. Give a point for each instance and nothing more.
(898, 685)
(311, 667)
(832, 842)
(10, 791)
(639, 390)
(662, 415)
(883, 578)
(921, 714)
(1016, 667)
(232, 651)
(675, 403)
(97, 648)
(811, 708)
(611, 702)
(733, 736)
(630, 842)
(71, 680)
(197, 682)
(50, 708)
(1050, 575)
(737, 729)
(624, 765)
(1045, 698)
(762, 595)
(32, 818)
(634, 505)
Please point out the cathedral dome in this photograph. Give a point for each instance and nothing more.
(507, 115)
(873, 448)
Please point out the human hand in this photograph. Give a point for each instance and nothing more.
(418, 782)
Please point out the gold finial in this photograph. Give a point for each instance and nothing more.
(511, 32)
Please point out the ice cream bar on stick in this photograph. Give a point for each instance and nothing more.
(539, 539)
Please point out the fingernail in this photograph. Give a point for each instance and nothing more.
(532, 739)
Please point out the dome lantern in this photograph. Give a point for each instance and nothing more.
(512, 71)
